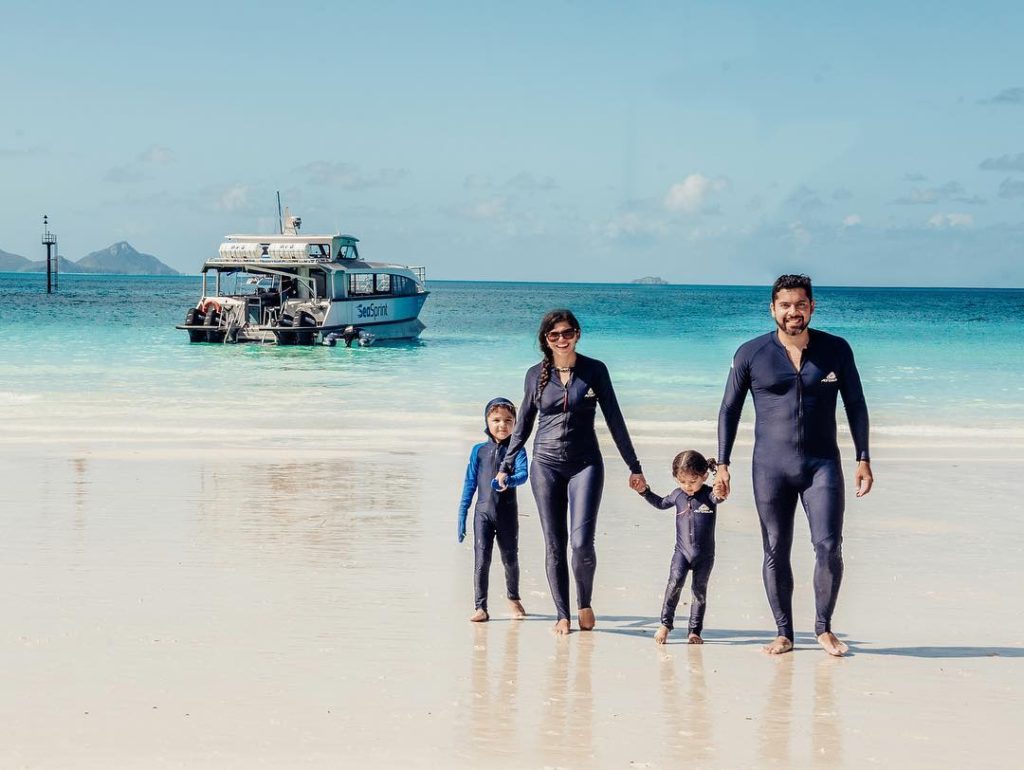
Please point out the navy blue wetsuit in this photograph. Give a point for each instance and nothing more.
(694, 551)
(796, 455)
(496, 515)
(567, 471)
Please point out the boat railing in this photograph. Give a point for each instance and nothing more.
(421, 274)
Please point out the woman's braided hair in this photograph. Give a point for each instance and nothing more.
(547, 323)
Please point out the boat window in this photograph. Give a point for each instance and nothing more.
(402, 286)
(382, 283)
(319, 250)
(360, 283)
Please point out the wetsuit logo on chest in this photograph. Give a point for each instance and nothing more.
(590, 393)
(830, 377)
(704, 509)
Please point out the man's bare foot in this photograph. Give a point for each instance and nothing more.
(518, 613)
(694, 638)
(661, 635)
(480, 616)
(780, 645)
(587, 619)
(832, 645)
(562, 627)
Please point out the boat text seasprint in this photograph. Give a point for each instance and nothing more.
(371, 311)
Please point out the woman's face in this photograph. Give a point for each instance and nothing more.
(562, 338)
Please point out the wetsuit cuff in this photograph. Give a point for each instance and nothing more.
(635, 468)
(863, 457)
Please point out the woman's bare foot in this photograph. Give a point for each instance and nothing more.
(780, 645)
(830, 642)
(694, 638)
(661, 635)
(518, 613)
(562, 627)
(587, 619)
(480, 616)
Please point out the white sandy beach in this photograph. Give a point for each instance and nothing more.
(172, 599)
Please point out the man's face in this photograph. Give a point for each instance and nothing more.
(792, 311)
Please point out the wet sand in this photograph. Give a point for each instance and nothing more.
(174, 599)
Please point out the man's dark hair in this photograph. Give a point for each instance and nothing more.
(792, 282)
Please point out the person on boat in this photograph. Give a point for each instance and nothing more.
(562, 394)
(796, 375)
(496, 515)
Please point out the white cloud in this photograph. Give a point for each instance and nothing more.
(633, 225)
(492, 208)
(942, 221)
(234, 198)
(800, 234)
(157, 154)
(693, 193)
(851, 220)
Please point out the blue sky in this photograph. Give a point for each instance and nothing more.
(868, 144)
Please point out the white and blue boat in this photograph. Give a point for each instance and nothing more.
(294, 289)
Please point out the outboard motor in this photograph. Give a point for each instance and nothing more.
(304, 320)
(195, 317)
(212, 324)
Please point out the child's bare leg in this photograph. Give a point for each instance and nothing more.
(480, 616)
(518, 613)
(694, 638)
(778, 646)
(587, 619)
(832, 644)
(661, 635)
(562, 627)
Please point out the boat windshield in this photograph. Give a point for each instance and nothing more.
(242, 284)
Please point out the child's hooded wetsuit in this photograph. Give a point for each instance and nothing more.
(695, 550)
(496, 515)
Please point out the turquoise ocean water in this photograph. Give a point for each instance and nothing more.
(932, 360)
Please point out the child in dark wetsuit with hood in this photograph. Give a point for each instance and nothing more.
(696, 508)
(496, 515)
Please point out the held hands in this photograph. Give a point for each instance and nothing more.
(637, 483)
(501, 480)
(863, 478)
(721, 489)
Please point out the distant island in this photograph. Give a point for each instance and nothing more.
(650, 280)
(119, 258)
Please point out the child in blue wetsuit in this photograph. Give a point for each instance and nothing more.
(496, 516)
(696, 507)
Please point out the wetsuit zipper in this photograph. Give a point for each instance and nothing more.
(565, 414)
(800, 401)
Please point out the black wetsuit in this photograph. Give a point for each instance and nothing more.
(796, 455)
(495, 517)
(567, 470)
(694, 551)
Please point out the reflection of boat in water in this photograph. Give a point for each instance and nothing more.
(303, 289)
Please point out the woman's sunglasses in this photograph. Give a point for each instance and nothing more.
(565, 334)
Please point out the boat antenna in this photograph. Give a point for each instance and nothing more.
(280, 217)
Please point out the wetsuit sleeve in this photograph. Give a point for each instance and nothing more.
(524, 424)
(854, 404)
(468, 487)
(613, 417)
(519, 478)
(736, 388)
(663, 503)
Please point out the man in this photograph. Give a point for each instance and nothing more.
(795, 374)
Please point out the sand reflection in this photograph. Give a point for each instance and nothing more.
(776, 725)
(688, 722)
(826, 735)
(312, 511)
(494, 698)
(567, 719)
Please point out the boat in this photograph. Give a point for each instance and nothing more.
(296, 289)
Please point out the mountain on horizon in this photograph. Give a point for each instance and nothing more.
(119, 258)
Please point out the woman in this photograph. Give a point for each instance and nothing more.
(562, 393)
